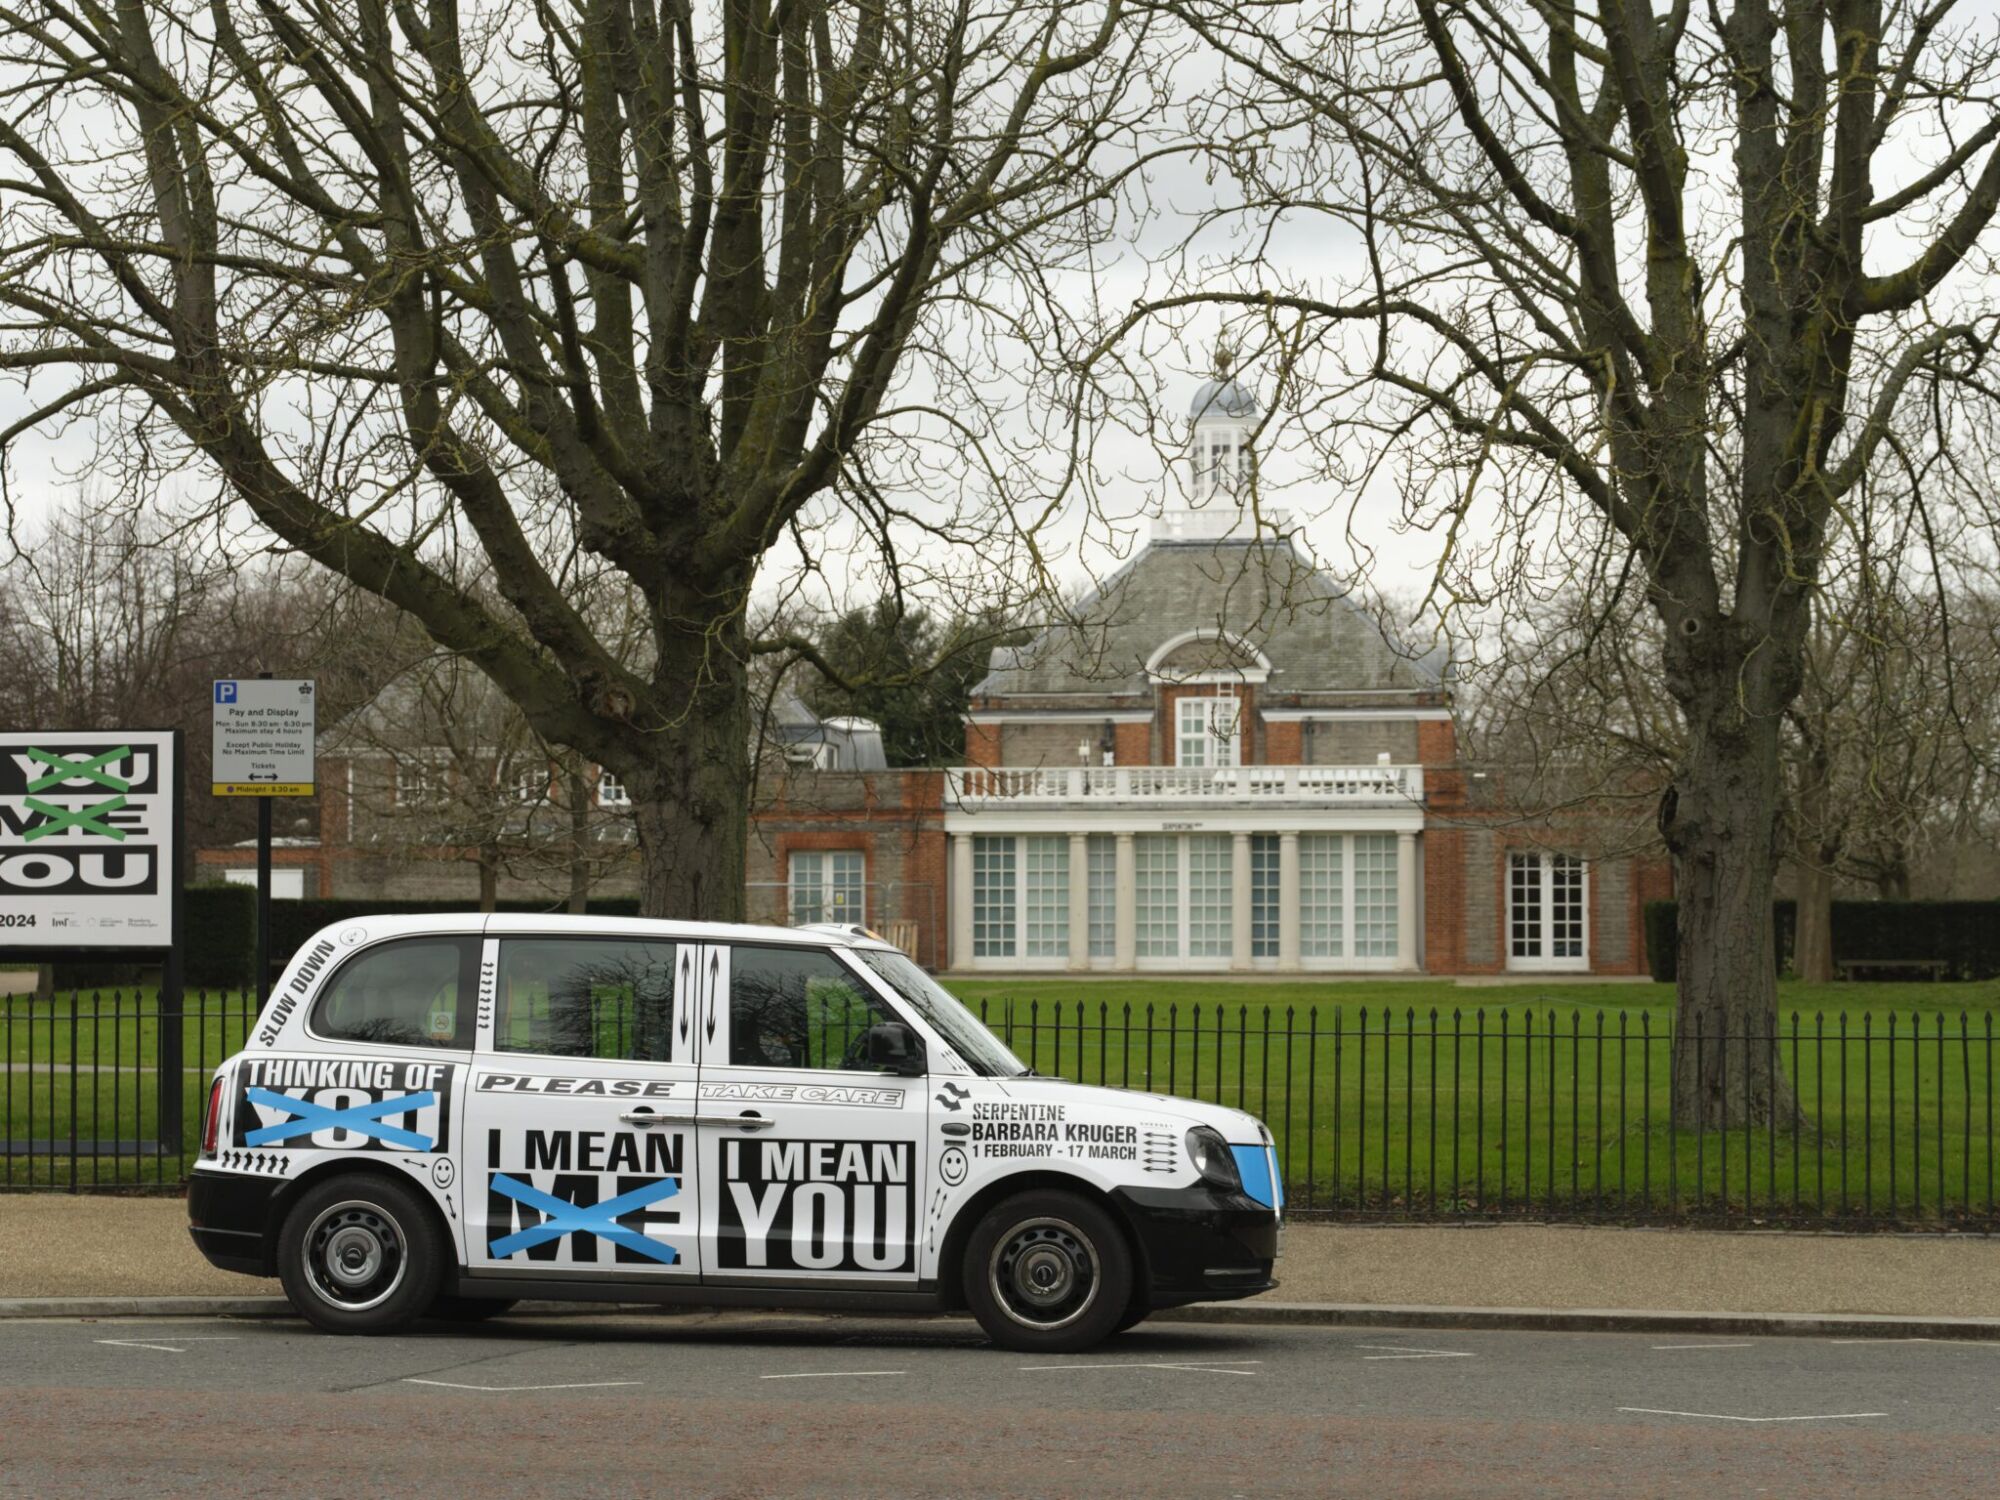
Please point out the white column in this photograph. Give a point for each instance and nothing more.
(1079, 901)
(1239, 902)
(1288, 901)
(961, 901)
(1406, 901)
(1125, 883)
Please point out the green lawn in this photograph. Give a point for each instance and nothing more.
(1421, 1096)
(1391, 1096)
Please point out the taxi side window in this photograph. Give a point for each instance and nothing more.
(404, 994)
(798, 1008)
(586, 997)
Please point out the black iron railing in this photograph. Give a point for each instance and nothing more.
(80, 1100)
(1566, 1111)
(1551, 1111)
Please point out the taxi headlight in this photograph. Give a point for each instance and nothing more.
(1213, 1160)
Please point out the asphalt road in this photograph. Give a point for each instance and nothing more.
(790, 1405)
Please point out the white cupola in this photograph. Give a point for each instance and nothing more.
(1225, 419)
(1222, 464)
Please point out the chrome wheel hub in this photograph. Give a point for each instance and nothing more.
(354, 1256)
(1044, 1273)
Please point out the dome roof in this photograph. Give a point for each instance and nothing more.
(1222, 398)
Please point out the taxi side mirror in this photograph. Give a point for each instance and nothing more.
(893, 1047)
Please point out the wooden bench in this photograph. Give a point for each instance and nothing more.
(1853, 968)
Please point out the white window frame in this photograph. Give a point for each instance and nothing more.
(1348, 910)
(1141, 845)
(817, 876)
(1266, 856)
(1541, 867)
(985, 859)
(1223, 952)
(422, 781)
(1212, 723)
(1035, 933)
(1101, 902)
(611, 792)
(531, 784)
(1023, 896)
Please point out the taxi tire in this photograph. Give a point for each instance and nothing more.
(1132, 1317)
(372, 1198)
(1092, 1228)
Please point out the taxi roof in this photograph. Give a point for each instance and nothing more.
(500, 924)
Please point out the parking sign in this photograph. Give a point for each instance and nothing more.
(263, 730)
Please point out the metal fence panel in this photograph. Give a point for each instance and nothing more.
(1377, 1112)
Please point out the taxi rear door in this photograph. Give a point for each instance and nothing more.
(579, 1159)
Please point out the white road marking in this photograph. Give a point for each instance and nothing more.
(829, 1374)
(1716, 1416)
(1701, 1346)
(1399, 1351)
(1203, 1368)
(212, 1338)
(583, 1385)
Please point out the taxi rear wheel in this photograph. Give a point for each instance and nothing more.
(1048, 1273)
(360, 1253)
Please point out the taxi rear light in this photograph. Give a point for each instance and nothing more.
(212, 1120)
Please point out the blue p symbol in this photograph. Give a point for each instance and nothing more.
(225, 692)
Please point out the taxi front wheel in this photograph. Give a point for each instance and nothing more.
(359, 1253)
(1048, 1273)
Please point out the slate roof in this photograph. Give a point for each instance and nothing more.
(1317, 637)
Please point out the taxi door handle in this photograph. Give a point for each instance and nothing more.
(643, 1116)
(748, 1121)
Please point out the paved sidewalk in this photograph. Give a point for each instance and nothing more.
(58, 1246)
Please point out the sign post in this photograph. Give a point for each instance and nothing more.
(263, 731)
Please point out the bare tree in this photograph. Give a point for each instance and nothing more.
(1639, 290)
(445, 766)
(1889, 744)
(1887, 753)
(614, 286)
(115, 621)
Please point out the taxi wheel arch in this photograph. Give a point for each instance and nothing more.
(375, 1199)
(1049, 1271)
(280, 1207)
(951, 1258)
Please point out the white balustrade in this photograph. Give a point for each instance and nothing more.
(977, 786)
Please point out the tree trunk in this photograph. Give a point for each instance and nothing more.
(1893, 884)
(691, 796)
(1720, 823)
(1812, 946)
(489, 878)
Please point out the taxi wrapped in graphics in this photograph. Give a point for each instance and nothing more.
(437, 1116)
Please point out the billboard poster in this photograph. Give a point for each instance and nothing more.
(87, 829)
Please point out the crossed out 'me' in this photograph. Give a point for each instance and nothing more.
(83, 819)
(600, 1219)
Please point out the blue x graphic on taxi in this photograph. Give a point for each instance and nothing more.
(600, 1219)
(362, 1119)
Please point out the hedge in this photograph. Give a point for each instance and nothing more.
(1964, 934)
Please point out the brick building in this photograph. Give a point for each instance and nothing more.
(1218, 763)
